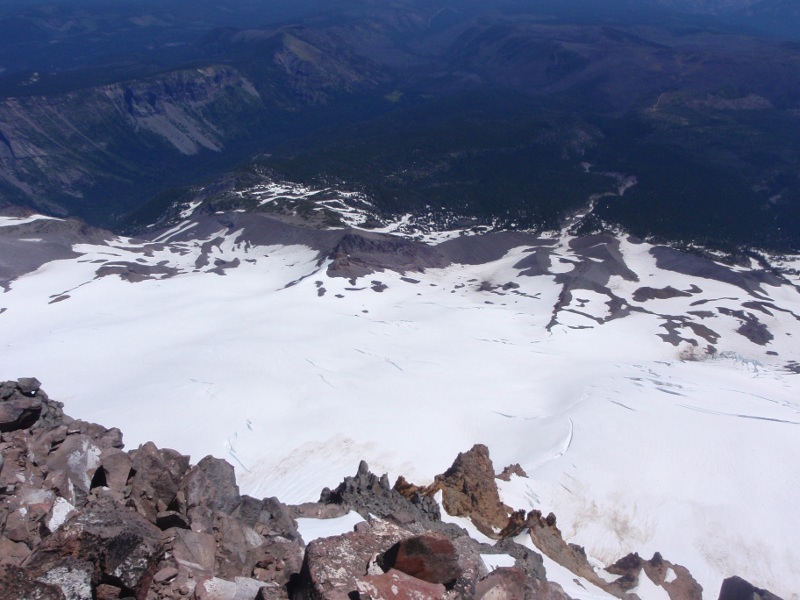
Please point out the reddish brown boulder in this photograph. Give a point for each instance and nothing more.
(194, 551)
(396, 585)
(78, 456)
(16, 582)
(116, 468)
(237, 547)
(12, 553)
(208, 487)
(333, 565)
(107, 592)
(504, 583)
(428, 557)
(117, 544)
(158, 473)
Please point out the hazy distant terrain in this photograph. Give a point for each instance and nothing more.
(512, 114)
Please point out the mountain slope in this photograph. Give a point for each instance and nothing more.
(649, 395)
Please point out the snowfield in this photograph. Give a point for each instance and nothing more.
(635, 443)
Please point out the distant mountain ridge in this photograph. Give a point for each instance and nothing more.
(490, 111)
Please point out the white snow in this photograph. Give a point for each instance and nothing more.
(13, 221)
(189, 210)
(313, 529)
(648, 590)
(632, 448)
(495, 561)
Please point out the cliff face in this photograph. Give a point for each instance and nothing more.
(99, 151)
(68, 147)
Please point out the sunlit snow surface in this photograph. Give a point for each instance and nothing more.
(632, 448)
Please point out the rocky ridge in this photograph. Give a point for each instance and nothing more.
(81, 518)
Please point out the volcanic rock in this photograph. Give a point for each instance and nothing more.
(544, 590)
(169, 519)
(165, 574)
(22, 404)
(360, 253)
(318, 510)
(236, 547)
(77, 521)
(194, 551)
(28, 385)
(16, 582)
(209, 486)
(546, 536)
(269, 516)
(333, 565)
(116, 468)
(105, 591)
(19, 412)
(736, 588)
(12, 553)
(504, 583)
(157, 475)
(681, 584)
(516, 525)
(469, 490)
(220, 589)
(72, 576)
(529, 561)
(510, 470)
(366, 493)
(429, 557)
(118, 544)
(78, 457)
(396, 585)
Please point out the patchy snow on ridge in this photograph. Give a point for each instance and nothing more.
(6, 221)
(595, 373)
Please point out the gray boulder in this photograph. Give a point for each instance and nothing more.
(119, 544)
(736, 588)
(158, 473)
(208, 487)
(16, 582)
(19, 411)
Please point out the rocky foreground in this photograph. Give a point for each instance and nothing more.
(80, 518)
